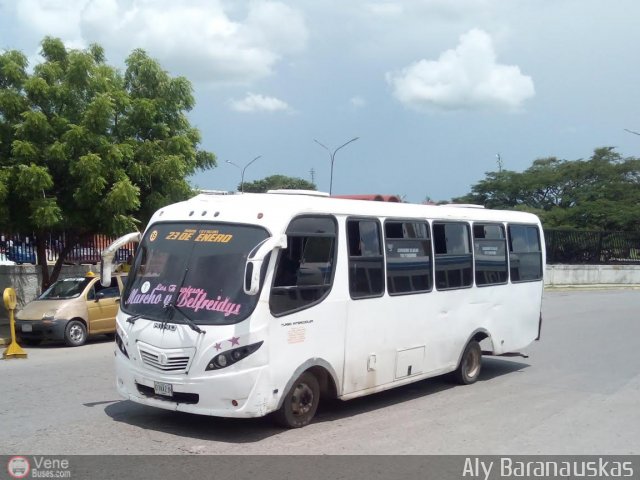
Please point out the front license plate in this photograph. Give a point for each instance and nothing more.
(27, 328)
(161, 388)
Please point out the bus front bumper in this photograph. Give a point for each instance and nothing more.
(239, 393)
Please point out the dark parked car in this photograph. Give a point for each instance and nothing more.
(22, 253)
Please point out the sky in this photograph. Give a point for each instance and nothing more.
(434, 90)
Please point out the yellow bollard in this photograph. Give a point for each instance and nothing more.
(13, 350)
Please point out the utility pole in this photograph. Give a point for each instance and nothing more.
(242, 170)
(332, 156)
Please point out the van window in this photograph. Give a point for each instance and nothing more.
(304, 271)
(408, 248)
(453, 258)
(490, 249)
(366, 262)
(525, 253)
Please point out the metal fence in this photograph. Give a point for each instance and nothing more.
(21, 249)
(563, 247)
(590, 247)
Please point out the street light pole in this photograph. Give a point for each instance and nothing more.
(332, 155)
(242, 170)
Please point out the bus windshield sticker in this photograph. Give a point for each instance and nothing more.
(185, 235)
(190, 298)
(213, 236)
(203, 235)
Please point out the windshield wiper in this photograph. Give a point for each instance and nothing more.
(187, 320)
(171, 306)
(133, 318)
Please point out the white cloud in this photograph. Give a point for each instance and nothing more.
(357, 101)
(385, 9)
(199, 38)
(259, 103)
(467, 77)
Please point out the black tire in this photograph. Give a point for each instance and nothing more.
(75, 334)
(300, 403)
(30, 342)
(470, 364)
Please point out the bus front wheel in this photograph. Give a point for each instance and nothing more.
(470, 364)
(300, 403)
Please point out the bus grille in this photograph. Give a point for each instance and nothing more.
(165, 362)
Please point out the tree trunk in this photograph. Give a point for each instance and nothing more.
(41, 253)
(48, 277)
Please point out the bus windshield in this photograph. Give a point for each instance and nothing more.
(192, 270)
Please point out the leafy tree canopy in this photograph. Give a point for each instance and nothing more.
(275, 182)
(601, 193)
(86, 149)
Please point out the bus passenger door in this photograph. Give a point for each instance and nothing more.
(309, 323)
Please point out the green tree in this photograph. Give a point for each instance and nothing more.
(600, 193)
(86, 149)
(275, 182)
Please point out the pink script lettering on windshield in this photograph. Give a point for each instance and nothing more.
(191, 298)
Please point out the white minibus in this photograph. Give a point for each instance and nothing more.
(246, 304)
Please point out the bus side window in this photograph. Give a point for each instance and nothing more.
(304, 271)
(408, 257)
(525, 253)
(453, 255)
(366, 262)
(490, 248)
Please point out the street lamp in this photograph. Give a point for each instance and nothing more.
(333, 157)
(242, 169)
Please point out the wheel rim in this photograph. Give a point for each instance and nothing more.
(302, 400)
(75, 333)
(472, 365)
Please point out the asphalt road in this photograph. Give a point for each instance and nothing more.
(577, 393)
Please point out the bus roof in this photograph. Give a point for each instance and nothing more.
(274, 210)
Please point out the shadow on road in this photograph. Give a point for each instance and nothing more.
(236, 430)
(59, 344)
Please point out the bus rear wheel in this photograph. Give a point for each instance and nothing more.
(300, 403)
(470, 364)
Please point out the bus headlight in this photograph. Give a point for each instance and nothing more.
(224, 359)
(119, 341)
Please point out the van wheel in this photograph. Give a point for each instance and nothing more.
(75, 334)
(300, 403)
(470, 364)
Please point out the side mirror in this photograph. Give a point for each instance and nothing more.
(99, 296)
(109, 253)
(256, 257)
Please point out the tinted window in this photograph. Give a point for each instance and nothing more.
(112, 291)
(525, 254)
(451, 242)
(304, 271)
(408, 250)
(490, 249)
(366, 263)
